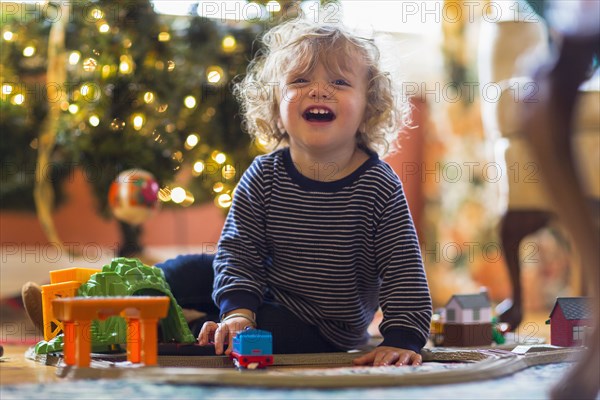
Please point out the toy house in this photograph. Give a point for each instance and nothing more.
(467, 320)
(568, 321)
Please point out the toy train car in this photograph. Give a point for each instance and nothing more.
(252, 348)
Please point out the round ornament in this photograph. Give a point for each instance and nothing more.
(133, 196)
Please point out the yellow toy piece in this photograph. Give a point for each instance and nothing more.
(63, 283)
(81, 275)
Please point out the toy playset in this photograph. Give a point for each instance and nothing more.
(118, 308)
(121, 278)
(128, 306)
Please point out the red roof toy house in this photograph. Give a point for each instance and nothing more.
(568, 321)
(468, 320)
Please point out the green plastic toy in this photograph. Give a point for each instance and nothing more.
(126, 277)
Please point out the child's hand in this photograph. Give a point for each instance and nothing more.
(384, 355)
(221, 333)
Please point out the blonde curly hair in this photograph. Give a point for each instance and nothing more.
(298, 46)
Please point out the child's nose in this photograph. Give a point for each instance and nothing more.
(318, 90)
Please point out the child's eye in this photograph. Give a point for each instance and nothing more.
(341, 82)
(299, 80)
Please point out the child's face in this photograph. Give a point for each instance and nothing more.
(322, 110)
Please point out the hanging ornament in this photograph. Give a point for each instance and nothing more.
(133, 196)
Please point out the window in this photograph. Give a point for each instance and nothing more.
(451, 315)
(476, 314)
(578, 333)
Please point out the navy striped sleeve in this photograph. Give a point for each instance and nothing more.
(239, 263)
(404, 295)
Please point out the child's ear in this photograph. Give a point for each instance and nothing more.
(362, 127)
(280, 126)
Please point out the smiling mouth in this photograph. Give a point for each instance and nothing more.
(318, 114)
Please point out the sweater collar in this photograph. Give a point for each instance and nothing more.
(313, 185)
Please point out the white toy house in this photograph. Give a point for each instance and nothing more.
(468, 309)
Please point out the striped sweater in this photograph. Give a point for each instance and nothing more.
(331, 252)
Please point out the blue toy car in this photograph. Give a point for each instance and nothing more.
(252, 348)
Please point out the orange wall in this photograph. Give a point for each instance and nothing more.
(408, 162)
(78, 223)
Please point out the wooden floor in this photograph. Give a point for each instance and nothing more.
(16, 369)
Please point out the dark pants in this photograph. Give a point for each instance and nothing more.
(191, 280)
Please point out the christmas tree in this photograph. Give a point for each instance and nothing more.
(141, 90)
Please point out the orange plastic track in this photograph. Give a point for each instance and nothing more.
(140, 312)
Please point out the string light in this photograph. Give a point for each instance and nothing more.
(8, 36)
(224, 200)
(73, 108)
(126, 64)
(164, 37)
(177, 156)
(7, 89)
(18, 99)
(89, 64)
(198, 167)
(117, 124)
(170, 65)
(74, 57)
(189, 102)
(157, 137)
(138, 122)
(229, 44)
(104, 28)
(148, 97)
(85, 89)
(214, 74)
(191, 141)
(178, 195)
(94, 120)
(97, 13)
(29, 51)
(218, 187)
(219, 157)
(181, 196)
(228, 172)
(106, 71)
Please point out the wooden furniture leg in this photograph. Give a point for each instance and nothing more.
(515, 226)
